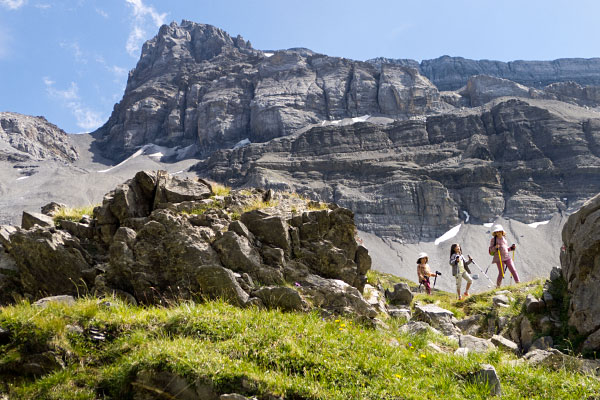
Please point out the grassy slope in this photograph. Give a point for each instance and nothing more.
(293, 354)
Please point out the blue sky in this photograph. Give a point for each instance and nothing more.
(68, 59)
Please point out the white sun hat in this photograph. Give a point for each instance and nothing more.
(497, 228)
(422, 255)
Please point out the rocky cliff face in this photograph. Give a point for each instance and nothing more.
(23, 136)
(415, 179)
(451, 73)
(194, 85)
(580, 261)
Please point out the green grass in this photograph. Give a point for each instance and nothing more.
(74, 213)
(255, 352)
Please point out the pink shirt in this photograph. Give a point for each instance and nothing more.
(501, 241)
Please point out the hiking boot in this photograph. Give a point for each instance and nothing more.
(465, 295)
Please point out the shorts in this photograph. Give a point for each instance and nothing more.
(459, 279)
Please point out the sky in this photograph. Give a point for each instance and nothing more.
(68, 60)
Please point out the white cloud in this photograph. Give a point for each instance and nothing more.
(13, 4)
(102, 12)
(87, 118)
(143, 16)
(43, 6)
(76, 50)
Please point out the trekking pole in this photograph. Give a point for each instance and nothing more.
(485, 274)
(501, 264)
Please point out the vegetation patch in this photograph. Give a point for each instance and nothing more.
(74, 213)
(251, 352)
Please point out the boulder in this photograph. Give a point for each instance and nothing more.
(30, 219)
(52, 208)
(77, 229)
(526, 334)
(284, 298)
(487, 375)
(399, 313)
(241, 229)
(592, 342)
(548, 299)
(237, 253)
(470, 325)
(233, 396)
(500, 300)
(268, 229)
(542, 343)
(437, 317)
(335, 296)
(49, 262)
(64, 299)
(374, 297)
(173, 189)
(533, 304)
(475, 344)
(401, 295)
(417, 328)
(150, 384)
(555, 273)
(220, 283)
(506, 344)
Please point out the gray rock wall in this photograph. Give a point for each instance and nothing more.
(414, 179)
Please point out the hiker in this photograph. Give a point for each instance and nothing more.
(460, 269)
(499, 249)
(423, 271)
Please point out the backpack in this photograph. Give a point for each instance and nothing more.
(454, 264)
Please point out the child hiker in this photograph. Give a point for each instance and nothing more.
(460, 269)
(423, 271)
(500, 250)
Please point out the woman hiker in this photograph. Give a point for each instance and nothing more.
(500, 250)
(423, 271)
(460, 269)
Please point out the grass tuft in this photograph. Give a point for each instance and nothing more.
(74, 213)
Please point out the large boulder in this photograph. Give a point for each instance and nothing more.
(335, 296)
(220, 283)
(237, 253)
(401, 295)
(580, 262)
(49, 261)
(30, 219)
(284, 298)
(437, 317)
(475, 344)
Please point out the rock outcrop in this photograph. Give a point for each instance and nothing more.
(580, 261)
(195, 85)
(415, 179)
(159, 237)
(33, 137)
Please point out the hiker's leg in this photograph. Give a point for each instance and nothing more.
(458, 284)
(469, 281)
(499, 280)
(427, 286)
(511, 267)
